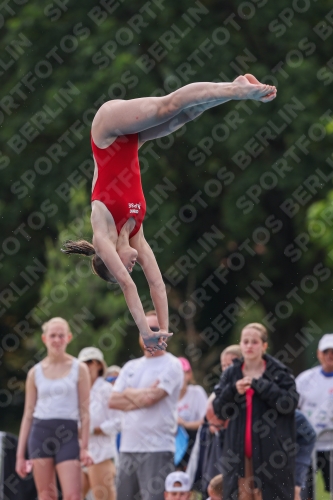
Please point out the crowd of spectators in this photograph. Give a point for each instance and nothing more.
(251, 439)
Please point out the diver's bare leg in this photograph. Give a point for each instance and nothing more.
(119, 117)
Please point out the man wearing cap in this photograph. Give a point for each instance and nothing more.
(315, 387)
(147, 391)
(177, 486)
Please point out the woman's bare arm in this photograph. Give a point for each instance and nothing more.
(84, 394)
(108, 254)
(147, 261)
(29, 406)
(83, 391)
(106, 250)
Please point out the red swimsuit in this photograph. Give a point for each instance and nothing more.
(118, 184)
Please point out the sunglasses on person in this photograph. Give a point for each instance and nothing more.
(89, 361)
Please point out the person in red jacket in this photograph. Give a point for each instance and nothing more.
(118, 205)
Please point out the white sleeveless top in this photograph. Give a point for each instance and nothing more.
(57, 398)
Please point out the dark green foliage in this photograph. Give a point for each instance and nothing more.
(97, 61)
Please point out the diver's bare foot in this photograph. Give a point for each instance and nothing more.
(252, 79)
(244, 89)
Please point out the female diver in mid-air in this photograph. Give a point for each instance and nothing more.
(118, 205)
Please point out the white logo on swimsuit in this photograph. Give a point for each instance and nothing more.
(134, 208)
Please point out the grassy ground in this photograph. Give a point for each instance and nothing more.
(321, 493)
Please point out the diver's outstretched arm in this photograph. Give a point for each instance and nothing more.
(147, 261)
(104, 244)
(107, 252)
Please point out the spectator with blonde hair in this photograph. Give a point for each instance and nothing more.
(112, 373)
(215, 488)
(57, 398)
(229, 354)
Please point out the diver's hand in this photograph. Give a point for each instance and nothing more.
(155, 341)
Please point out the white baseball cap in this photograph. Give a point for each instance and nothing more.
(177, 477)
(92, 353)
(326, 342)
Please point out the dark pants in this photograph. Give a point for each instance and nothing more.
(323, 464)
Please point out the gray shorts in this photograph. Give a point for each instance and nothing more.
(54, 438)
(141, 476)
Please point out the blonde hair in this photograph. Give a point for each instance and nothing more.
(57, 319)
(261, 329)
(216, 484)
(113, 368)
(234, 349)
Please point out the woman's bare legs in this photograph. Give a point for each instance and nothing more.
(69, 473)
(45, 478)
(118, 117)
(102, 480)
(85, 483)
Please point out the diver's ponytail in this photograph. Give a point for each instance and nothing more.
(81, 247)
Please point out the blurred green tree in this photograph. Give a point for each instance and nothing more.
(228, 232)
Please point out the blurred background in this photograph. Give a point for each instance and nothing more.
(239, 202)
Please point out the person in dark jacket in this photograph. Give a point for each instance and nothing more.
(257, 394)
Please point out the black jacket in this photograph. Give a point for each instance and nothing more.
(209, 460)
(273, 430)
